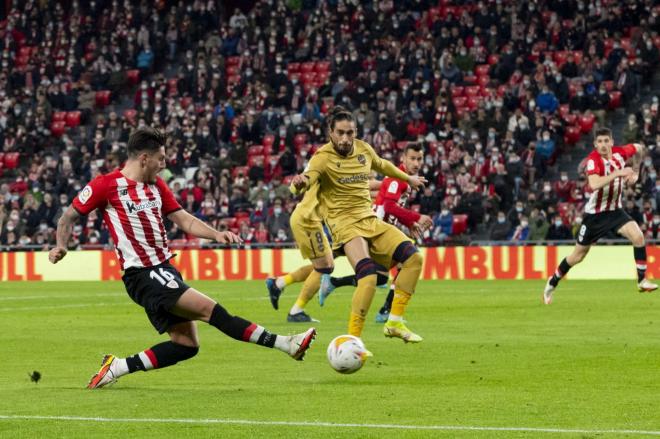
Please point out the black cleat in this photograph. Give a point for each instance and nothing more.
(301, 317)
(273, 292)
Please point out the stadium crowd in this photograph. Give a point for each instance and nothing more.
(497, 92)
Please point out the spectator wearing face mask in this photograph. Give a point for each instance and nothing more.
(563, 187)
(538, 225)
(558, 231)
(521, 231)
(546, 101)
(278, 219)
(500, 228)
(442, 225)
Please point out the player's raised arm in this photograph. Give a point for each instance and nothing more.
(64, 229)
(309, 177)
(196, 227)
(636, 164)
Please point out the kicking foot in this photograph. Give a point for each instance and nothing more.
(326, 288)
(547, 293)
(273, 292)
(399, 330)
(104, 377)
(646, 287)
(300, 343)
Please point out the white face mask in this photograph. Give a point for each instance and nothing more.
(523, 223)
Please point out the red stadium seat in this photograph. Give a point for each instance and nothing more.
(473, 102)
(308, 87)
(307, 67)
(173, 86)
(487, 92)
(560, 57)
(11, 160)
(459, 101)
(57, 128)
(493, 59)
(133, 76)
(322, 77)
(59, 116)
(570, 119)
(73, 118)
(609, 85)
(564, 109)
(615, 100)
(21, 60)
(255, 150)
(577, 57)
(572, 89)
(459, 224)
(460, 111)
(586, 122)
(232, 70)
(293, 67)
(472, 90)
(482, 70)
(233, 61)
(483, 81)
(233, 79)
(572, 135)
(470, 79)
(457, 90)
(252, 160)
(501, 90)
(401, 144)
(321, 66)
(103, 98)
(308, 77)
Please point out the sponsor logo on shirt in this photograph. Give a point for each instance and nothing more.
(353, 178)
(134, 208)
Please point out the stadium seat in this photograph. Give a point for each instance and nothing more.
(321, 66)
(308, 87)
(11, 160)
(401, 144)
(308, 77)
(472, 90)
(487, 92)
(21, 60)
(59, 116)
(133, 76)
(185, 102)
(255, 150)
(615, 100)
(457, 90)
(483, 80)
(293, 67)
(577, 57)
(57, 128)
(73, 118)
(103, 98)
(501, 90)
(459, 224)
(232, 70)
(233, 61)
(459, 101)
(252, 160)
(564, 109)
(307, 67)
(493, 59)
(173, 86)
(560, 57)
(460, 111)
(482, 70)
(572, 135)
(570, 119)
(473, 102)
(586, 122)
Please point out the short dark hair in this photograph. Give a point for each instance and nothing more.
(145, 139)
(337, 114)
(413, 146)
(603, 131)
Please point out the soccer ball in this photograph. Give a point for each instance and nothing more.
(346, 354)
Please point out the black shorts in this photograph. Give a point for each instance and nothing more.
(156, 289)
(596, 225)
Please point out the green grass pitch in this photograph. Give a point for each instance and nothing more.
(493, 357)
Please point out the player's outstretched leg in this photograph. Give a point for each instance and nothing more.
(384, 311)
(276, 285)
(407, 254)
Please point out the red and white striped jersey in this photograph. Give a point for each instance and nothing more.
(607, 198)
(133, 212)
(391, 201)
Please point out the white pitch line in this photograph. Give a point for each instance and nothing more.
(327, 424)
(66, 296)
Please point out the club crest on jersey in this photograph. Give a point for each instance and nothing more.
(172, 284)
(123, 192)
(85, 194)
(361, 159)
(133, 208)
